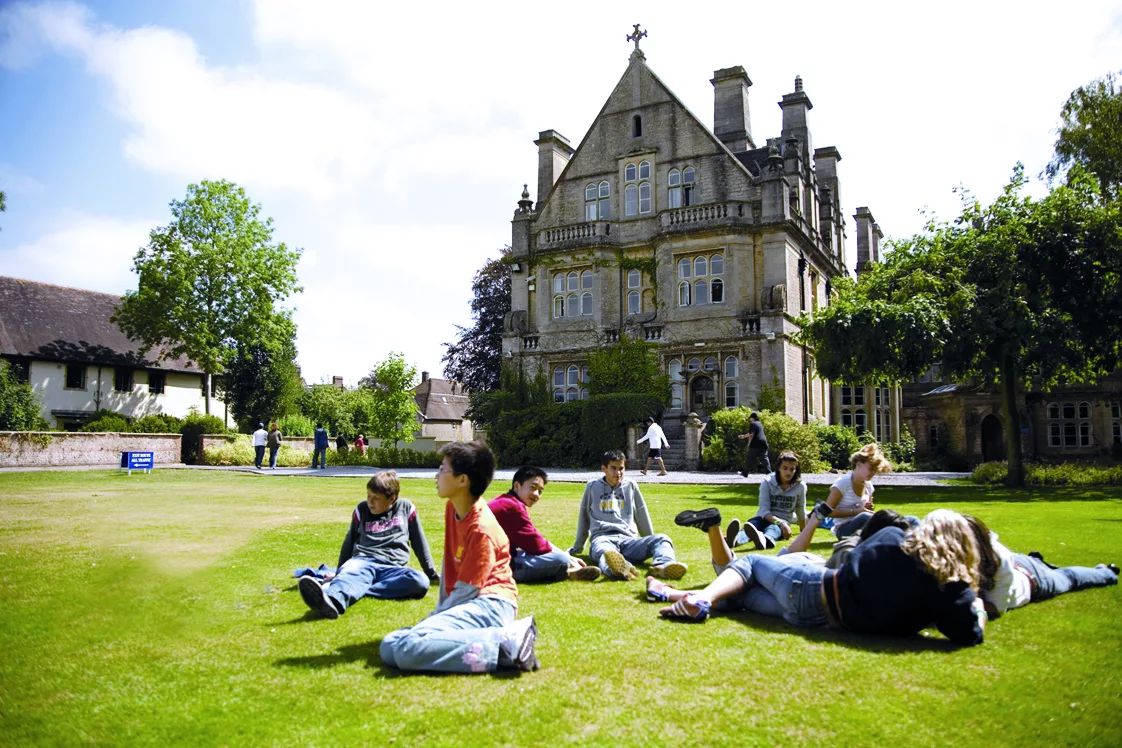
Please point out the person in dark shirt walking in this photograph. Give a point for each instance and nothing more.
(757, 447)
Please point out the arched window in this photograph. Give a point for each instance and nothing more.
(591, 194)
(644, 197)
(574, 281)
(1054, 439)
(732, 367)
(558, 377)
(584, 394)
(710, 363)
(573, 378)
(684, 268)
(676, 397)
(1084, 410)
(1084, 434)
(693, 364)
(674, 369)
(636, 126)
(559, 396)
(689, 187)
(732, 394)
(1116, 432)
(876, 424)
(1069, 410)
(700, 267)
(634, 279)
(847, 418)
(559, 283)
(630, 200)
(684, 293)
(586, 304)
(1115, 409)
(700, 292)
(633, 302)
(572, 394)
(1070, 439)
(586, 280)
(717, 291)
(584, 374)
(674, 189)
(629, 173)
(717, 264)
(859, 421)
(559, 306)
(605, 201)
(1053, 410)
(644, 170)
(572, 305)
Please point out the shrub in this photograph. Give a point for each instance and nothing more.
(901, 452)
(989, 473)
(157, 423)
(295, 424)
(238, 450)
(108, 421)
(1074, 474)
(604, 420)
(541, 435)
(726, 452)
(837, 443)
(194, 426)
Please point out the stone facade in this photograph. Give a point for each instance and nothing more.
(697, 240)
(55, 449)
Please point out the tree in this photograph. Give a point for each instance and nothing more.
(629, 366)
(1090, 134)
(392, 414)
(476, 358)
(1011, 294)
(262, 380)
(209, 280)
(3, 201)
(329, 406)
(19, 405)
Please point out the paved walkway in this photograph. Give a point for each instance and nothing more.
(561, 475)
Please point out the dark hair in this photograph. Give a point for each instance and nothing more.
(754, 415)
(528, 472)
(473, 459)
(385, 483)
(611, 455)
(988, 562)
(650, 419)
(789, 456)
(881, 519)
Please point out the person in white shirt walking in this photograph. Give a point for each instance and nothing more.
(259, 438)
(655, 440)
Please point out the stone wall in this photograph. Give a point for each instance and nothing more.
(61, 448)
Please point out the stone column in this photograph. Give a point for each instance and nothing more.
(633, 447)
(693, 428)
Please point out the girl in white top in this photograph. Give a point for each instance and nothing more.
(850, 503)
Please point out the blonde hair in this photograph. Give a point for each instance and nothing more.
(944, 544)
(871, 454)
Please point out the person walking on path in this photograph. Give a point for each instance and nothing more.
(757, 447)
(656, 440)
(319, 445)
(273, 441)
(259, 438)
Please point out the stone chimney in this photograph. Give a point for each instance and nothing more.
(337, 382)
(554, 152)
(424, 377)
(731, 122)
(795, 106)
(868, 239)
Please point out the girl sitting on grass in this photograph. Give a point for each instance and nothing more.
(782, 501)
(850, 503)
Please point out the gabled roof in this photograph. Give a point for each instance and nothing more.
(39, 320)
(441, 400)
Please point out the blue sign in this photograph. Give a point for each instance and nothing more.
(137, 461)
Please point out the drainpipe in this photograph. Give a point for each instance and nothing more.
(97, 396)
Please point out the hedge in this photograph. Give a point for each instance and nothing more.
(1067, 474)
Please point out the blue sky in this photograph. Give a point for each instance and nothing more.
(392, 146)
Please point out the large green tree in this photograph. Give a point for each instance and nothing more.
(262, 381)
(209, 280)
(476, 357)
(392, 414)
(1014, 293)
(1090, 134)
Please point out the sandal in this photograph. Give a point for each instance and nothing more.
(680, 612)
(657, 591)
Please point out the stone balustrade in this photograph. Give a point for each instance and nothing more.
(577, 234)
(736, 212)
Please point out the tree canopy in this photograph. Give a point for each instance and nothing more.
(1011, 293)
(392, 414)
(1090, 134)
(476, 358)
(262, 381)
(209, 280)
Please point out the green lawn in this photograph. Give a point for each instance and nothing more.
(161, 609)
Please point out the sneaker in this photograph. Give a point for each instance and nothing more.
(768, 542)
(702, 519)
(317, 599)
(585, 574)
(664, 473)
(517, 646)
(619, 566)
(756, 537)
(680, 611)
(732, 532)
(657, 591)
(671, 570)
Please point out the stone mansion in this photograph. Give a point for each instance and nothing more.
(709, 243)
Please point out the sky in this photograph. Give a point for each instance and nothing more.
(392, 145)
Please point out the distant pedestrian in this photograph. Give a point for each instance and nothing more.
(656, 440)
(341, 444)
(273, 442)
(360, 445)
(259, 438)
(757, 447)
(319, 443)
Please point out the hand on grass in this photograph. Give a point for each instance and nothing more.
(785, 528)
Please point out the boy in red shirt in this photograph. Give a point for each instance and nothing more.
(472, 629)
(534, 558)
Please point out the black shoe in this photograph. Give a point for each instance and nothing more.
(731, 532)
(1114, 568)
(316, 599)
(755, 537)
(1037, 555)
(702, 519)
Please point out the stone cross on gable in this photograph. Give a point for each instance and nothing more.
(635, 36)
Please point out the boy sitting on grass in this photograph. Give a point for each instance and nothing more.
(372, 562)
(473, 629)
(535, 559)
(611, 509)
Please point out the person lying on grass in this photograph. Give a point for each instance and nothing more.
(473, 629)
(850, 503)
(1012, 580)
(782, 501)
(895, 583)
(613, 511)
(375, 553)
(534, 558)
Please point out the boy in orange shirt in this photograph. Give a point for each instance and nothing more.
(472, 629)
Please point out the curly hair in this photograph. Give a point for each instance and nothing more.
(944, 545)
(871, 454)
(988, 560)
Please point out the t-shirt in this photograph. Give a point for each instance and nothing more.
(655, 437)
(259, 437)
(850, 500)
(785, 504)
(756, 431)
(513, 517)
(477, 552)
(386, 537)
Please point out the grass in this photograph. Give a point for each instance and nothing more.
(161, 609)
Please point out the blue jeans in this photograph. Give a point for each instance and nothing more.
(547, 567)
(258, 455)
(364, 577)
(321, 454)
(463, 639)
(273, 456)
(1051, 582)
(658, 548)
(770, 529)
(851, 526)
(789, 591)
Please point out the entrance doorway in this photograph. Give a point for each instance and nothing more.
(702, 396)
(993, 441)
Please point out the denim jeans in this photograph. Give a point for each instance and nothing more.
(851, 526)
(790, 591)
(463, 639)
(258, 455)
(658, 548)
(769, 529)
(273, 456)
(1051, 582)
(364, 577)
(321, 454)
(546, 567)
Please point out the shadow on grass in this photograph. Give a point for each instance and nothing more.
(853, 640)
(368, 654)
(948, 495)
